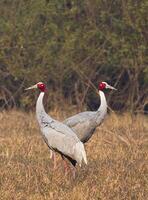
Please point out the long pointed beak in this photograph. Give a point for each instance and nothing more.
(32, 87)
(111, 87)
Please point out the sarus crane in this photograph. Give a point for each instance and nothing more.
(84, 124)
(58, 136)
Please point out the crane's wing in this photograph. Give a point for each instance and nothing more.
(59, 127)
(62, 139)
(64, 129)
(47, 121)
(57, 141)
(80, 118)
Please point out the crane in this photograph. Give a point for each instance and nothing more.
(85, 123)
(58, 136)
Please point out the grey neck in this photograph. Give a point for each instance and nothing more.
(103, 105)
(40, 111)
(102, 110)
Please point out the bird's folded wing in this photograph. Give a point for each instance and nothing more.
(62, 129)
(79, 118)
(57, 141)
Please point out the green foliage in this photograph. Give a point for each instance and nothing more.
(53, 41)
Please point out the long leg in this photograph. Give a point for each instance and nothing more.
(51, 154)
(53, 157)
(54, 160)
(73, 170)
(67, 167)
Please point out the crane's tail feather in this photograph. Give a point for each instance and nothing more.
(80, 153)
(84, 156)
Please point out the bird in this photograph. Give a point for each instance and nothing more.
(85, 123)
(58, 136)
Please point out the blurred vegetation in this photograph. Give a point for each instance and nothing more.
(68, 44)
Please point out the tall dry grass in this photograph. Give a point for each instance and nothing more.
(117, 156)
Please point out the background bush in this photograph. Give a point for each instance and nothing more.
(68, 44)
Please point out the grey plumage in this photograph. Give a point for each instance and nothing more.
(58, 136)
(85, 123)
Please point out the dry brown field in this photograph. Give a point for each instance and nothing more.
(117, 161)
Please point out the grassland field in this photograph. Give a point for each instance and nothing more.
(117, 161)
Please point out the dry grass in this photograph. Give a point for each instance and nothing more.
(117, 156)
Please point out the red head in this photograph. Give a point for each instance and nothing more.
(41, 86)
(104, 85)
(101, 86)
